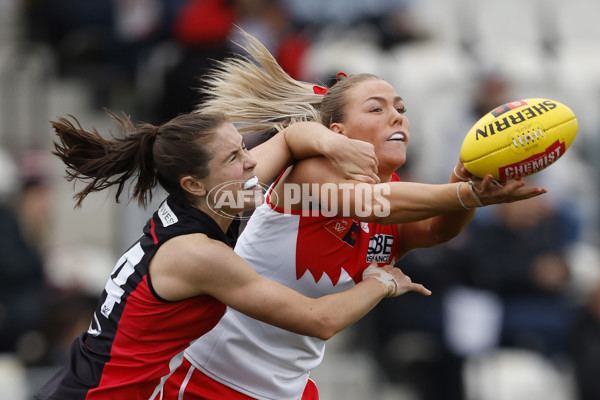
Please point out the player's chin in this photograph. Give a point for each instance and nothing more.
(396, 159)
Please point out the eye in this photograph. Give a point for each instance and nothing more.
(234, 156)
(401, 110)
(376, 109)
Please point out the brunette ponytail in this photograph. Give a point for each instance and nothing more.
(150, 154)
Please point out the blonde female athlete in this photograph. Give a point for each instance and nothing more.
(317, 231)
(172, 285)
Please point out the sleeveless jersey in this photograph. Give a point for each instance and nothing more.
(314, 255)
(136, 338)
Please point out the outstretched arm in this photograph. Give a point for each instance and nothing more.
(429, 213)
(323, 317)
(353, 159)
(396, 202)
(193, 265)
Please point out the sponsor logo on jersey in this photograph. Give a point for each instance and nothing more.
(166, 215)
(344, 229)
(380, 248)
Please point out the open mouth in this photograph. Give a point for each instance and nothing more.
(398, 136)
(251, 183)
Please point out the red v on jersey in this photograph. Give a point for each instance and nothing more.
(328, 245)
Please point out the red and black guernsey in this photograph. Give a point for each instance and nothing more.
(135, 337)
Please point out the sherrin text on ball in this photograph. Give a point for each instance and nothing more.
(519, 138)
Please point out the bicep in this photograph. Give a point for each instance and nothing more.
(190, 266)
(272, 157)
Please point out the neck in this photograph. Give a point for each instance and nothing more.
(222, 220)
(385, 175)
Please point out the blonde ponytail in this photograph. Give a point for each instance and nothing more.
(260, 95)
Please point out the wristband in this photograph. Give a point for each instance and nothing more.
(458, 176)
(387, 279)
(459, 199)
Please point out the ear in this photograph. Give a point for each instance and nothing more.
(337, 127)
(193, 186)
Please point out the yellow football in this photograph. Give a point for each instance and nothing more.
(519, 138)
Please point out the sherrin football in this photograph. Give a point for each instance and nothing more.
(519, 139)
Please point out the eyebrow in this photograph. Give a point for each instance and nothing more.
(379, 98)
(235, 151)
(232, 153)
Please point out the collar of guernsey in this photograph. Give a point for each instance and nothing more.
(188, 219)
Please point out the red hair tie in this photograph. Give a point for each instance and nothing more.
(319, 90)
(322, 90)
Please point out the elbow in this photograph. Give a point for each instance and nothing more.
(326, 327)
(445, 235)
(326, 334)
(452, 230)
(443, 238)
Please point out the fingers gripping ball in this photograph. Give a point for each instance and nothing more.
(391, 285)
(518, 139)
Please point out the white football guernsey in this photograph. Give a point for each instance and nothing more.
(314, 255)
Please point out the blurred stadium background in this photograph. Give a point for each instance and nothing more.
(451, 61)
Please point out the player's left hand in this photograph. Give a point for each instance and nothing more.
(490, 191)
(394, 280)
